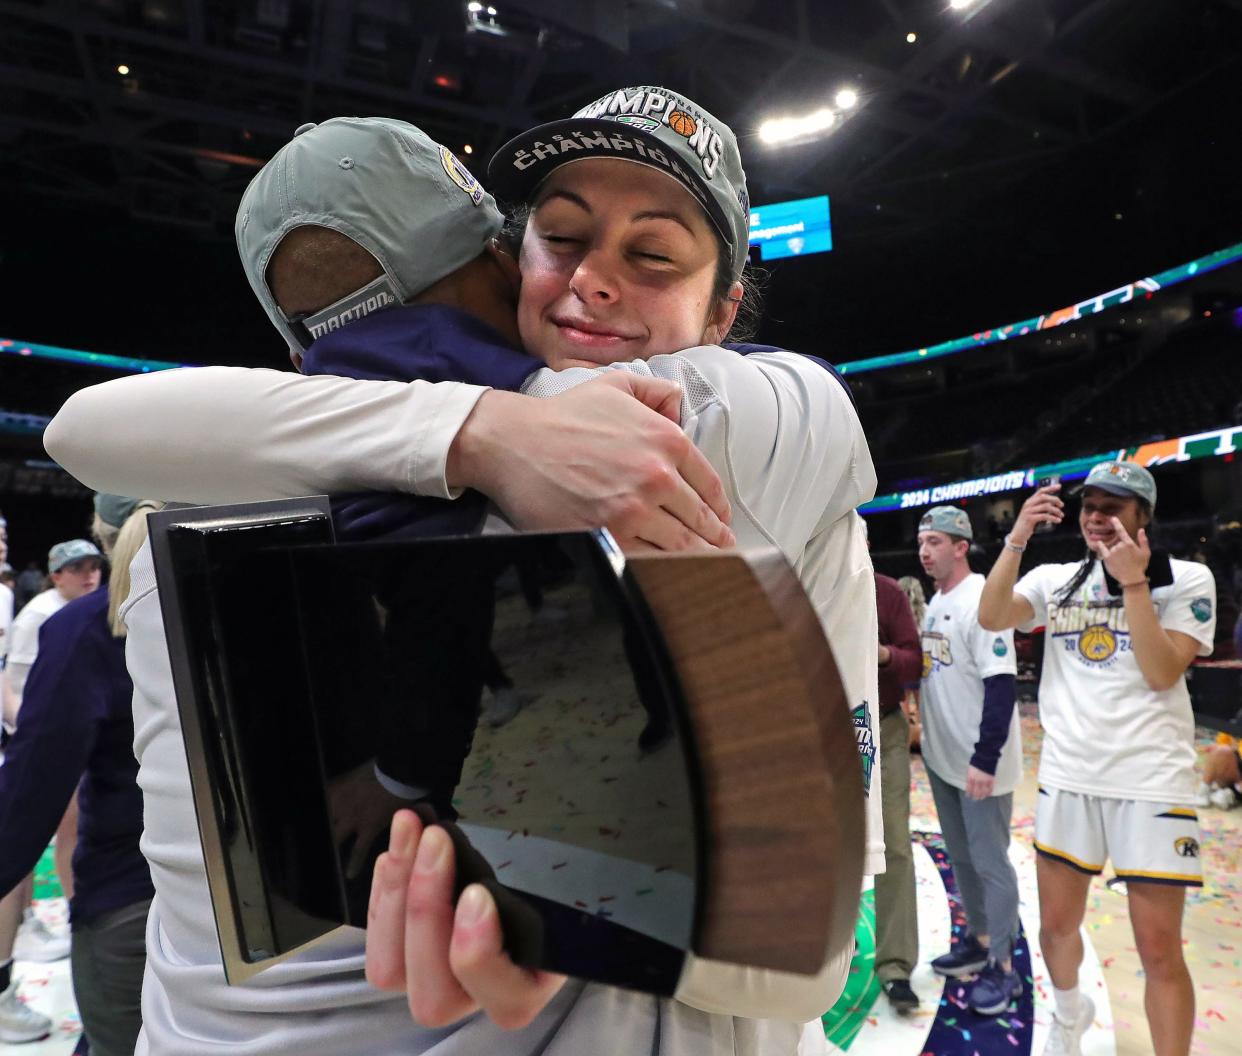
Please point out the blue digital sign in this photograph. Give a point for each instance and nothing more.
(791, 229)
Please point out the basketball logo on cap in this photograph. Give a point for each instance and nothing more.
(460, 175)
(682, 123)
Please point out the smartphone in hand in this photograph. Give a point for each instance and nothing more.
(1043, 482)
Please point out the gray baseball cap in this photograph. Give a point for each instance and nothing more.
(1126, 479)
(386, 184)
(952, 520)
(659, 128)
(114, 509)
(67, 552)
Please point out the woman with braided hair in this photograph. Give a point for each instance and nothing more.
(1117, 769)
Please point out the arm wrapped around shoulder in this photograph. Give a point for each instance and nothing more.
(235, 434)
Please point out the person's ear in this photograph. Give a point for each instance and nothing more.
(720, 321)
(503, 259)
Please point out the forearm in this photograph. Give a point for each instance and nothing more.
(1160, 661)
(229, 434)
(906, 660)
(14, 686)
(28, 827)
(906, 651)
(999, 693)
(41, 769)
(996, 601)
(8, 702)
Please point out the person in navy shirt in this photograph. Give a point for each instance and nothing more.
(77, 732)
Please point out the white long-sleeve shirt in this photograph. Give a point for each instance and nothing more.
(785, 439)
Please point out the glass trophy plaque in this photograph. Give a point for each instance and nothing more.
(516, 689)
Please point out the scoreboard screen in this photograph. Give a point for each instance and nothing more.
(791, 229)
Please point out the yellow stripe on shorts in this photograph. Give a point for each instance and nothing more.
(1141, 874)
(1069, 859)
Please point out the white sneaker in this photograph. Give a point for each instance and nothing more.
(36, 943)
(1224, 798)
(1064, 1037)
(19, 1023)
(506, 702)
(1203, 798)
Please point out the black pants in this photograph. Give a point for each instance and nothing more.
(108, 958)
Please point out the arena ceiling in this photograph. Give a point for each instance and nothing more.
(161, 110)
(212, 89)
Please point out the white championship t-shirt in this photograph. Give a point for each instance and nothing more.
(1106, 731)
(6, 621)
(789, 448)
(958, 655)
(24, 634)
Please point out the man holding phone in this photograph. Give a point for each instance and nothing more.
(1117, 768)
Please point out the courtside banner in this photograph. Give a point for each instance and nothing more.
(1178, 449)
(774, 237)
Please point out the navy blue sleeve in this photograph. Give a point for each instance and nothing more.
(368, 516)
(43, 763)
(431, 342)
(747, 348)
(999, 692)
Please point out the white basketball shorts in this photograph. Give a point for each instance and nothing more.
(1147, 842)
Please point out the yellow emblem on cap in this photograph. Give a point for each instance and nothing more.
(460, 175)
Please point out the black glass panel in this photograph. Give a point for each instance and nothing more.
(510, 687)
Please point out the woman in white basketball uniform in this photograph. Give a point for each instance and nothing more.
(1117, 770)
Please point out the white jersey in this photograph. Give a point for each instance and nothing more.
(958, 655)
(795, 487)
(24, 634)
(6, 621)
(786, 441)
(1106, 731)
(24, 637)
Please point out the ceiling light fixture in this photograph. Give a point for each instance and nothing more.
(785, 129)
(846, 99)
(911, 38)
(123, 70)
